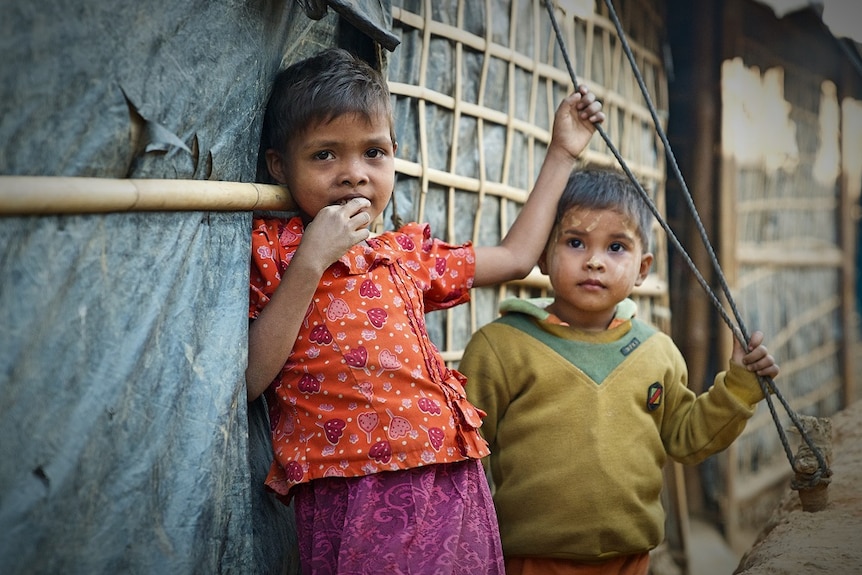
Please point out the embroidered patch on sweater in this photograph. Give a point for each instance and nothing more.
(630, 346)
(654, 395)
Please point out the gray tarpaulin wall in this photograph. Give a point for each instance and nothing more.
(126, 444)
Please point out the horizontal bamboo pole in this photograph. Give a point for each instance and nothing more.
(777, 255)
(37, 195)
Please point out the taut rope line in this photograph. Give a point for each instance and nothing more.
(741, 334)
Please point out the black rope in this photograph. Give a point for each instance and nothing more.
(740, 332)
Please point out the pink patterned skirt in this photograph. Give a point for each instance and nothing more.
(434, 520)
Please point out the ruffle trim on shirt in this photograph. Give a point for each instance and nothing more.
(283, 476)
(386, 248)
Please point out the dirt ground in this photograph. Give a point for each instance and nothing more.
(828, 541)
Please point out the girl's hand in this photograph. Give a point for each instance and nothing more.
(575, 122)
(333, 231)
(757, 360)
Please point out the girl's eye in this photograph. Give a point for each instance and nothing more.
(574, 243)
(617, 247)
(323, 155)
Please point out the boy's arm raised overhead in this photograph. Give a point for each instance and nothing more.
(518, 252)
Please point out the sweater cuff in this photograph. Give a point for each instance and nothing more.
(743, 384)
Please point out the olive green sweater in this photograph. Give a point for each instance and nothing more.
(580, 425)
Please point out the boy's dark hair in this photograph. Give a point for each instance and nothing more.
(318, 89)
(606, 189)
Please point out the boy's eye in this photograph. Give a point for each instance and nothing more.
(616, 247)
(374, 153)
(323, 155)
(574, 243)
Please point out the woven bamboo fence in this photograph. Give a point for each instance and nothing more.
(475, 86)
(785, 220)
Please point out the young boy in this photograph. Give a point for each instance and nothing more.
(373, 437)
(585, 402)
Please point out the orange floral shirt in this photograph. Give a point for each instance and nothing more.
(364, 389)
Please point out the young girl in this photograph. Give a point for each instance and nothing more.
(374, 439)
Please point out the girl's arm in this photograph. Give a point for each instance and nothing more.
(520, 249)
(272, 335)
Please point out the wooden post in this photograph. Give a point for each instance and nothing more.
(848, 221)
(733, 12)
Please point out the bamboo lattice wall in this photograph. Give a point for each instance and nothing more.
(785, 251)
(475, 87)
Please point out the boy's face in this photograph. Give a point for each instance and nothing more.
(594, 261)
(333, 162)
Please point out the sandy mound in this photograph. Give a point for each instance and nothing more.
(828, 541)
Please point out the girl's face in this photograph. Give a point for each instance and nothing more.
(594, 261)
(333, 162)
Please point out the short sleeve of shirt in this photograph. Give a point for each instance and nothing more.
(445, 271)
(267, 255)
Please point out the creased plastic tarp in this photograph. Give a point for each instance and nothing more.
(126, 444)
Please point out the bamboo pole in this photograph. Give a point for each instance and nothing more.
(848, 225)
(733, 38)
(43, 195)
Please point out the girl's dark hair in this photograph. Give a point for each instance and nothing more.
(318, 89)
(606, 189)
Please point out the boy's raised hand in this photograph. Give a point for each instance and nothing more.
(757, 360)
(575, 121)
